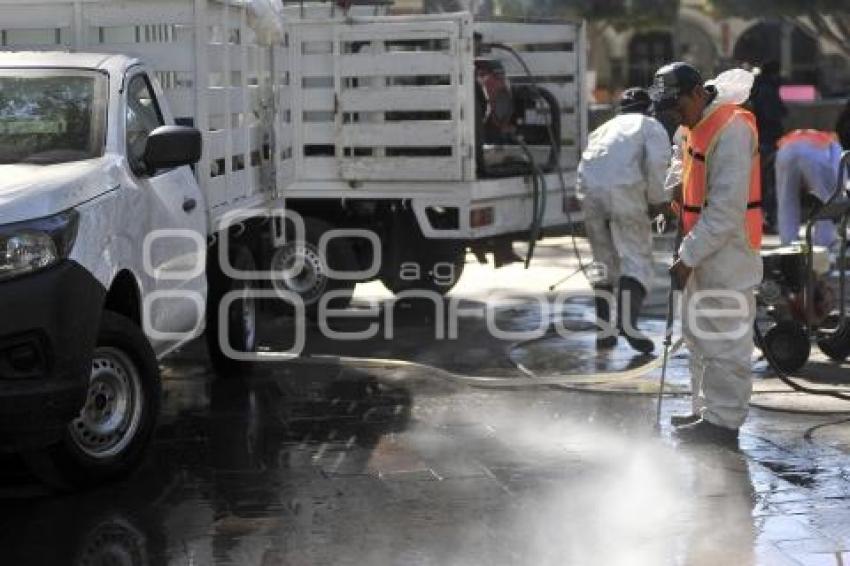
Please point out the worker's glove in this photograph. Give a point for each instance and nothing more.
(661, 208)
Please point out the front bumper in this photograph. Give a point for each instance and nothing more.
(48, 331)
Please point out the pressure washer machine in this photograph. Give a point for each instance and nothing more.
(802, 295)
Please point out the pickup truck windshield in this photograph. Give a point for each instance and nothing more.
(50, 116)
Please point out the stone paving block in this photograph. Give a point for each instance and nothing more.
(779, 528)
(809, 546)
(769, 555)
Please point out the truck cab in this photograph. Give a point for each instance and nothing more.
(102, 235)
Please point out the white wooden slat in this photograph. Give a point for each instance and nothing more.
(393, 31)
(242, 184)
(317, 65)
(239, 145)
(285, 176)
(215, 144)
(181, 101)
(216, 189)
(398, 99)
(217, 100)
(313, 32)
(397, 64)
(319, 133)
(222, 54)
(525, 33)
(400, 169)
(320, 169)
(319, 100)
(400, 134)
(139, 13)
(284, 136)
(323, 11)
(37, 16)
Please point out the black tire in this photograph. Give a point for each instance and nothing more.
(836, 345)
(787, 345)
(312, 282)
(108, 439)
(439, 266)
(241, 319)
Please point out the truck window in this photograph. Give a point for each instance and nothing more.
(143, 117)
(50, 116)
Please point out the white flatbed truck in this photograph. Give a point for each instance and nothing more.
(148, 147)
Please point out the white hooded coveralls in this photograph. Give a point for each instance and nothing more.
(802, 165)
(621, 173)
(719, 301)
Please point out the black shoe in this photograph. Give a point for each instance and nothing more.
(640, 342)
(684, 420)
(630, 298)
(604, 339)
(704, 432)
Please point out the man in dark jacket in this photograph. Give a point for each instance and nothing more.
(767, 105)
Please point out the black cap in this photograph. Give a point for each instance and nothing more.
(671, 82)
(635, 100)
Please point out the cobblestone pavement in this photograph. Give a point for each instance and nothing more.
(334, 462)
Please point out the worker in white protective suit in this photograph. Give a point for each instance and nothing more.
(621, 181)
(807, 160)
(716, 167)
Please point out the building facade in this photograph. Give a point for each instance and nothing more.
(629, 57)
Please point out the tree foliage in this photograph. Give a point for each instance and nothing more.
(824, 19)
(762, 8)
(618, 13)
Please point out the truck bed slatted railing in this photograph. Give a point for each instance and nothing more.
(212, 70)
(382, 98)
(380, 103)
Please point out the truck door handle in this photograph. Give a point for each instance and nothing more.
(189, 205)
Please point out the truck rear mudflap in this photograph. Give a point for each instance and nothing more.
(48, 331)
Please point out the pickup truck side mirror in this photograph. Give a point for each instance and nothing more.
(172, 146)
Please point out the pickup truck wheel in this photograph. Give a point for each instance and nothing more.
(241, 319)
(107, 440)
(312, 282)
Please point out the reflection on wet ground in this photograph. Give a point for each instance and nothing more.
(335, 464)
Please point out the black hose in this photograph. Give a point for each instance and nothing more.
(538, 200)
(557, 152)
(786, 378)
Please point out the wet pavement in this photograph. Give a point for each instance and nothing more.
(336, 462)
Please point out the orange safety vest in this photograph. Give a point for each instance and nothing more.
(698, 144)
(816, 138)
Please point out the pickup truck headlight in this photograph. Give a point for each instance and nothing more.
(32, 245)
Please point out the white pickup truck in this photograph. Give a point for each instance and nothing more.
(152, 152)
(109, 243)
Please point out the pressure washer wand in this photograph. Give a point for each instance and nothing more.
(668, 330)
(668, 341)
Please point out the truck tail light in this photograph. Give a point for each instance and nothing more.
(479, 217)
